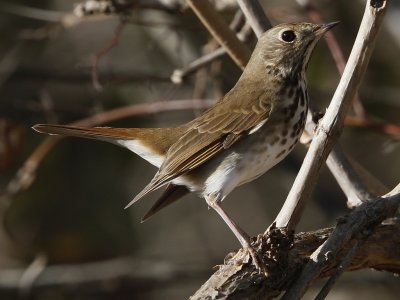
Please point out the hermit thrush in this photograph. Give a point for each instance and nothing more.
(252, 128)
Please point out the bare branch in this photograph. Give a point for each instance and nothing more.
(342, 169)
(32, 12)
(345, 262)
(330, 127)
(390, 129)
(106, 49)
(349, 180)
(221, 31)
(335, 49)
(359, 224)
(255, 16)
(239, 25)
(237, 278)
(95, 7)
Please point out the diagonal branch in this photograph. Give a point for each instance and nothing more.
(221, 31)
(331, 125)
(255, 16)
(238, 280)
(239, 25)
(334, 47)
(359, 224)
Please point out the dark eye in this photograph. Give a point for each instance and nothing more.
(288, 36)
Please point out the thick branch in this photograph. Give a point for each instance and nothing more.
(356, 226)
(238, 280)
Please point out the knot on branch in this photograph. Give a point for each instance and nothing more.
(274, 245)
(240, 274)
(377, 3)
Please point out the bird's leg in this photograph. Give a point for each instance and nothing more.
(244, 239)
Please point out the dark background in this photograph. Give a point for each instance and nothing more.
(72, 213)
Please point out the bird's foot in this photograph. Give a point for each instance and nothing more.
(257, 259)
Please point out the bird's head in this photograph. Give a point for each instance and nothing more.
(286, 48)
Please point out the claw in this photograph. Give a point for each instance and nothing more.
(257, 260)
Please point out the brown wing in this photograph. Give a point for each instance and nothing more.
(215, 130)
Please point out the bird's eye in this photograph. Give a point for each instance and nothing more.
(288, 36)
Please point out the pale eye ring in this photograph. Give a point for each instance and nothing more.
(287, 36)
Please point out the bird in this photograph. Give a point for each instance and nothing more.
(243, 135)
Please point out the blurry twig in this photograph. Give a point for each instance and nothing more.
(32, 12)
(26, 174)
(335, 49)
(47, 104)
(255, 16)
(238, 24)
(390, 129)
(354, 186)
(105, 50)
(221, 31)
(93, 276)
(30, 275)
(339, 270)
(9, 62)
(96, 7)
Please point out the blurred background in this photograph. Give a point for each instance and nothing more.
(64, 233)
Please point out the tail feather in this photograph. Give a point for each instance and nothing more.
(154, 184)
(170, 195)
(149, 143)
(101, 133)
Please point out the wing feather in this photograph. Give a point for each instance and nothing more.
(217, 129)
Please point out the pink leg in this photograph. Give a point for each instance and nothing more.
(242, 236)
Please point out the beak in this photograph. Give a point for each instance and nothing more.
(325, 27)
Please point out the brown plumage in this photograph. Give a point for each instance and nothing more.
(252, 128)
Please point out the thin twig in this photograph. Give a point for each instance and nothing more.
(346, 261)
(91, 276)
(330, 126)
(237, 22)
(95, 7)
(390, 129)
(32, 12)
(221, 31)
(30, 275)
(178, 74)
(348, 179)
(106, 49)
(9, 62)
(255, 16)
